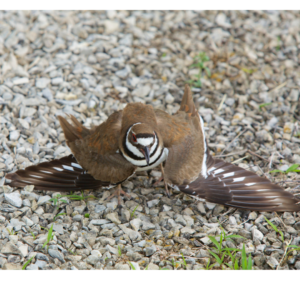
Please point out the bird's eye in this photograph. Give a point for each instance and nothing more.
(134, 138)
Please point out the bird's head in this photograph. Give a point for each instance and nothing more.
(142, 144)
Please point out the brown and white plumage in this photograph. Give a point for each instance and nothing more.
(141, 138)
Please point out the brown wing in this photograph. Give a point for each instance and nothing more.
(233, 186)
(183, 136)
(97, 150)
(63, 175)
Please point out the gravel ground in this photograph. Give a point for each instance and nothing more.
(91, 64)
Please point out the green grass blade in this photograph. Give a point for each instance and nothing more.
(28, 262)
(61, 214)
(249, 266)
(231, 249)
(292, 168)
(264, 104)
(281, 234)
(276, 171)
(293, 246)
(132, 213)
(244, 258)
(236, 265)
(208, 262)
(216, 257)
(223, 256)
(131, 265)
(272, 225)
(213, 239)
(184, 262)
(228, 265)
(49, 236)
(234, 236)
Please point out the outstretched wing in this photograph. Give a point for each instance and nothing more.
(233, 186)
(63, 175)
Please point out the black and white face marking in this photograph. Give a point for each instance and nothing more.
(142, 150)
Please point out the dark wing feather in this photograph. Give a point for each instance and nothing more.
(233, 186)
(62, 175)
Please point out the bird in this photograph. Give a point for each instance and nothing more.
(140, 138)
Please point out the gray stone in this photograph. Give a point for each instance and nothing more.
(14, 135)
(99, 222)
(232, 221)
(150, 250)
(297, 225)
(110, 26)
(205, 241)
(14, 199)
(93, 259)
(153, 203)
(142, 91)
(7, 96)
(297, 265)
(41, 256)
(133, 235)
(124, 72)
(172, 223)
(32, 267)
(10, 248)
(99, 208)
(77, 218)
(187, 230)
(272, 262)
(141, 243)
(42, 82)
(57, 81)
(180, 220)
(136, 223)
(105, 240)
(3, 261)
(58, 228)
(56, 254)
(120, 266)
(43, 199)
(47, 94)
(113, 204)
(152, 266)
(113, 217)
(147, 226)
(41, 263)
(257, 235)
(112, 250)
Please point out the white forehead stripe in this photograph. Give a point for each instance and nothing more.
(145, 141)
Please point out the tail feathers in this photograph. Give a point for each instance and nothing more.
(71, 132)
(187, 103)
(63, 175)
(233, 186)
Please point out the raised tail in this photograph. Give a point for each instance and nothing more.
(63, 175)
(233, 186)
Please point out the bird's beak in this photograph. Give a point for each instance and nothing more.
(146, 153)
